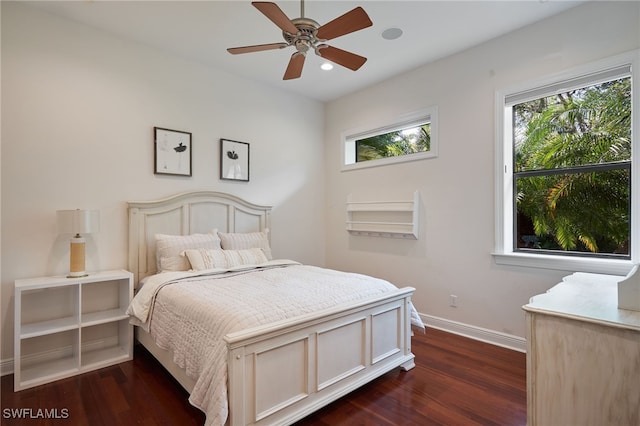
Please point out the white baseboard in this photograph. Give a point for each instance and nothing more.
(6, 367)
(493, 337)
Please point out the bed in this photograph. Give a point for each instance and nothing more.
(278, 367)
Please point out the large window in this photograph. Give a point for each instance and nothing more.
(408, 138)
(567, 170)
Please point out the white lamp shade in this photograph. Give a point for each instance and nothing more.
(78, 221)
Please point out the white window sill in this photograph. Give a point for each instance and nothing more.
(565, 263)
(390, 160)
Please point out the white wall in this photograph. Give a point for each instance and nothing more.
(453, 252)
(78, 111)
(79, 106)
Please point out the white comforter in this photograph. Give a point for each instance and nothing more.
(188, 313)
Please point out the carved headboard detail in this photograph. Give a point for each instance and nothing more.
(183, 214)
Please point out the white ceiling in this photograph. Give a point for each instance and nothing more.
(202, 30)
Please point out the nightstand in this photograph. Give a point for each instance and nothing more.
(67, 326)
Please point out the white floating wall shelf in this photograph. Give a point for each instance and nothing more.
(392, 219)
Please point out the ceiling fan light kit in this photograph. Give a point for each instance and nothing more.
(306, 34)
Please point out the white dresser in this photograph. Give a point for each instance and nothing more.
(583, 355)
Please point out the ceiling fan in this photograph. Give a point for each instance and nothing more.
(305, 34)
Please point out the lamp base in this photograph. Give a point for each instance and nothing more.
(76, 258)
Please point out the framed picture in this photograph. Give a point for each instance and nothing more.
(172, 152)
(234, 160)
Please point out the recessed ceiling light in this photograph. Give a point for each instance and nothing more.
(391, 33)
(326, 66)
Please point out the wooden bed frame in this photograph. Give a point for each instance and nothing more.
(281, 372)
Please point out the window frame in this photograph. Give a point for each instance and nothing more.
(409, 120)
(504, 253)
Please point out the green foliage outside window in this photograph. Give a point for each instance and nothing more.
(572, 170)
(393, 144)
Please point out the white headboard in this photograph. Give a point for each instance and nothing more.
(183, 214)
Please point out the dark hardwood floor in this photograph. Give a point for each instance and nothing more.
(456, 381)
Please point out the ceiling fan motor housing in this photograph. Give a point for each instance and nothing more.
(306, 36)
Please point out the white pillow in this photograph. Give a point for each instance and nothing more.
(201, 259)
(248, 240)
(169, 249)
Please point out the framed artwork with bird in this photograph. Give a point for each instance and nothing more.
(234, 160)
(172, 152)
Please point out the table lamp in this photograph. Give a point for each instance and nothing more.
(77, 222)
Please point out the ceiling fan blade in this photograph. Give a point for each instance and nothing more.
(276, 15)
(341, 57)
(294, 69)
(256, 48)
(354, 20)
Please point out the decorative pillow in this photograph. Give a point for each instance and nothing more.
(242, 241)
(169, 249)
(201, 259)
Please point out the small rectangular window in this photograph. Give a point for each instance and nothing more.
(410, 139)
(406, 141)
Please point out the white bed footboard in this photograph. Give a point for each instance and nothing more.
(282, 372)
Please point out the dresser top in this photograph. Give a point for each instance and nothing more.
(586, 297)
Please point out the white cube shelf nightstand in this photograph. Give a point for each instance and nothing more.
(67, 326)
